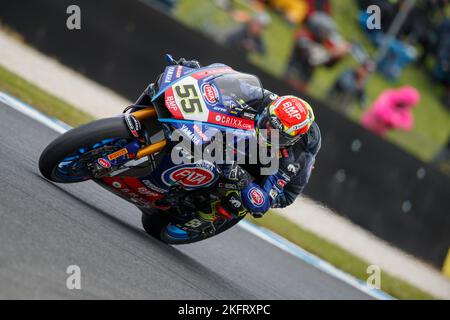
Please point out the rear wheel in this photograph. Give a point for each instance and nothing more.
(159, 225)
(154, 221)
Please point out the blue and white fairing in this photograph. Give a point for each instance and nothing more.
(203, 102)
(216, 94)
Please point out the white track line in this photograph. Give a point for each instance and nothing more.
(260, 232)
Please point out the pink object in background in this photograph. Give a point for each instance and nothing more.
(392, 110)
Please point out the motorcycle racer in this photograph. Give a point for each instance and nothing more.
(298, 144)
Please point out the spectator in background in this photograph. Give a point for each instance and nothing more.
(319, 43)
(391, 111)
(421, 26)
(248, 37)
(319, 5)
(399, 53)
(297, 11)
(350, 87)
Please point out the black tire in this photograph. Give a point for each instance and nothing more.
(155, 222)
(74, 139)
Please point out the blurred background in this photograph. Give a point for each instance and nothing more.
(378, 81)
(324, 48)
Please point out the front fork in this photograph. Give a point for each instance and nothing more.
(134, 150)
(150, 149)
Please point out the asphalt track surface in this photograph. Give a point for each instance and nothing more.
(46, 227)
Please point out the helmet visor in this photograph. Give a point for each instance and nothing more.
(270, 131)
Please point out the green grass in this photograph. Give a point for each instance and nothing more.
(24, 90)
(432, 120)
(337, 256)
(57, 108)
(209, 19)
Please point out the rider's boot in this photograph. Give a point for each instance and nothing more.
(208, 212)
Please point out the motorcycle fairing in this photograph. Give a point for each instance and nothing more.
(193, 95)
(210, 113)
(174, 73)
(166, 179)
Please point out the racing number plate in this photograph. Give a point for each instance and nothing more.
(189, 100)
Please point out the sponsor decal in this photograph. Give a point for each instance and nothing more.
(190, 134)
(151, 195)
(179, 72)
(117, 154)
(133, 196)
(281, 183)
(189, 176)
(210, 93)
(297, 126)
(249, 115)
(292, 169)
(146, 192)
(104, 163)
(256, 197)
(273, 96)
(169, 74)
(199, 131)
(230, 121)
(293, 110)
(194, 223)
(152, 186)
(235, 203)
(230, 186)
(276, 123)
(117, 184)
(142, 190)
(132, 124)
(273, 193)
(236, 111)
(219, 109)
(171, 104)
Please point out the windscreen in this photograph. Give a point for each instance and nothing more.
(239, 89)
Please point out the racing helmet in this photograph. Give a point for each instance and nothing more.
(290, 115)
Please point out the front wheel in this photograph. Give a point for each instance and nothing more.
(159, 225)
(68, 157)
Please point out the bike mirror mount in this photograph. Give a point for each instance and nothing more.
(170, 60)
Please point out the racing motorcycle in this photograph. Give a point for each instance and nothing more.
(131, 154)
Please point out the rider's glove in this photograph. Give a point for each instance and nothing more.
(255, 200)
(237, 175)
